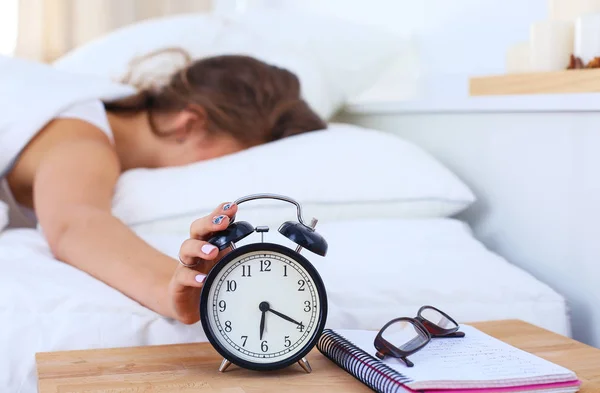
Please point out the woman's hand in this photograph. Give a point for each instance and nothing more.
(186, 283)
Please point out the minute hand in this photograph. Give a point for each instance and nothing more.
(284, 316)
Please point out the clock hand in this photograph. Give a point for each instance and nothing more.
(263, 307)
(262, 324)
(284, 316)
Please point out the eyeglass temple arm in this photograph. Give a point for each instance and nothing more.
(274, 196)
(454, 335)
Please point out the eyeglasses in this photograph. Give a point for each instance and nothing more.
(401, 337)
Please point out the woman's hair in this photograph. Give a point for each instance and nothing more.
(253, 101)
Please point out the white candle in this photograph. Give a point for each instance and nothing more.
(570, 10)
(518, 58)
(587, 37)
(551, 45)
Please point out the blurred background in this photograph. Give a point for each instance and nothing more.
(450, 37)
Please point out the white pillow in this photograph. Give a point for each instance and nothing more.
(334, 59)
(345, 172)
(3, 215)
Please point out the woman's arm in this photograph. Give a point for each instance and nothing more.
(73, 190)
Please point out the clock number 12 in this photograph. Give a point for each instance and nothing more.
(265, 266)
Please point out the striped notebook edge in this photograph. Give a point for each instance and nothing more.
(361, 365)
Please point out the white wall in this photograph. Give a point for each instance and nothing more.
(535, 175)
(8, 26)
(455, 36)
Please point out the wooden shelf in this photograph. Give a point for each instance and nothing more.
(558, 82)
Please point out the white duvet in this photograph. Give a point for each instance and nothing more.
(375, 270)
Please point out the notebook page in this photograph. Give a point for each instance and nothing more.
(476, 360)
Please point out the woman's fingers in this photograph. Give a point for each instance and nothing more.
(192, 251)
(218, 220)
(189, 277)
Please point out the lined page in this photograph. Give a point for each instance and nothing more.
(474, 361)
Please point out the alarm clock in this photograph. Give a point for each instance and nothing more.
(263, 306)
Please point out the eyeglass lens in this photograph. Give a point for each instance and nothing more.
(437, 318)
(404, 336)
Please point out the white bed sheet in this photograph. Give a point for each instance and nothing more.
(46, 305)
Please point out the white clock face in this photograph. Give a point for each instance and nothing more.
(268, 293)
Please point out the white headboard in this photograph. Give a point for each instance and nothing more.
(536, 174)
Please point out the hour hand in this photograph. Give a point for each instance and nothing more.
(284, 316)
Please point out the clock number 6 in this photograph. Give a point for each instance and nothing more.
(264, 347)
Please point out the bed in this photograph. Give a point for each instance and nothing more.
(46, 305)
(393, 213)
(384, 204)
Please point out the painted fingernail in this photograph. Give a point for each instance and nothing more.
(208, 248)
(219, 219)
(227, 206)
(200, 278)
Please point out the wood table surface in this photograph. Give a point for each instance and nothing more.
(190, 368)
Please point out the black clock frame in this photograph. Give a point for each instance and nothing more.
(267, 247)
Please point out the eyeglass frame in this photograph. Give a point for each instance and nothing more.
(385, 348)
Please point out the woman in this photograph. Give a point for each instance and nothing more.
(65, 177)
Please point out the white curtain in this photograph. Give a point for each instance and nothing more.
(50, 28)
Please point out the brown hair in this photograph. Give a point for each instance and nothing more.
(253, 101)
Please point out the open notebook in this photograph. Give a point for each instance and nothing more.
(476, 362)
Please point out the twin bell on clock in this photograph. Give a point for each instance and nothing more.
(263, 306)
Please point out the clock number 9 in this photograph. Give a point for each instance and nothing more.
(264, 347)
(228, 328)
(222, 306)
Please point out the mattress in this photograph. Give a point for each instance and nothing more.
(375, 270)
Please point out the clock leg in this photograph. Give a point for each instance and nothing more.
(224, 365)
(305, 365)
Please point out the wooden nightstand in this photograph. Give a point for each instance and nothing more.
(193, 367)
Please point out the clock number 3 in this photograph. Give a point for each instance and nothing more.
(307, 307)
